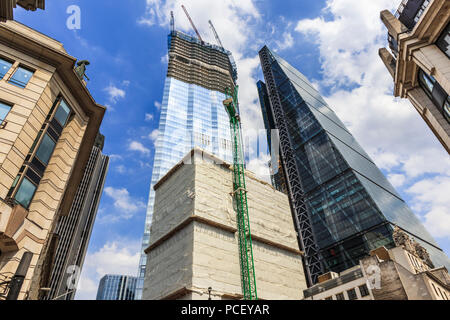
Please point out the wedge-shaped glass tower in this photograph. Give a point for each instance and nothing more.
(343, 205)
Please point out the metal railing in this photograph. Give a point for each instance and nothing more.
(4, 286)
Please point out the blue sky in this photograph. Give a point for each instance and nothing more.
(334, 43)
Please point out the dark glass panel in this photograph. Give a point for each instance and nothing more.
(25, 193)
(62, 113)
(45, 149)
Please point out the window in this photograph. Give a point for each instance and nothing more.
(363, 290)
(447, 109)
(4, 110)
(427, 81)
(329, 298)
(25, 193)
(33, 169)
(437, 94)
(4, 67)
(352, 294)
(45, 149)
(340, 296)
(443, 42)
(21, 77)
(63, 112)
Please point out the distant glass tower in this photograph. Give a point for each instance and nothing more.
(116, 287)
(343, 206)
(192, 113)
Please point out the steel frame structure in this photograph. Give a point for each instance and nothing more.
(311, 258)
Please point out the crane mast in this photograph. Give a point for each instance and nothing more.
(192, 23)
(248, 279)
(172, 22)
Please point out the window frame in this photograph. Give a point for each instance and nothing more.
(436, 93)
(17, 189)
(365, 292)
(16, 82)
(340, 294)
(3, 121)
(441, 38)
(353, 290)
(44, 134)
(29, 164)
(11, 61)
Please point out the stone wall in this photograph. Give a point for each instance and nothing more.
(195, 200)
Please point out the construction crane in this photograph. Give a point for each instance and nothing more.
(248, 279)
(172, 22)
(215, 34)
(192, 24)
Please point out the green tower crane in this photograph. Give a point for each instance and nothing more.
(240, 196)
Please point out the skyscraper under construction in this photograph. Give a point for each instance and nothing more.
(192, 113)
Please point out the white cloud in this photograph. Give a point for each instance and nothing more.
(432, 197)
(117, 257)
(121, 169)
(139, 147)
(286, 43)
(157, 105)
(115, 157)
(125, 204)
(397, 180)
(388, 128)
(114, 93)
(154, 135)
(149, 117)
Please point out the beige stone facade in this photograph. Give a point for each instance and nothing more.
(416, 49)
(194, 243)
(32, 107)
(7, 6)
(404, 272)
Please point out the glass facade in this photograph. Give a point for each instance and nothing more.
(350, 203)
(116, 287)
(191, 116)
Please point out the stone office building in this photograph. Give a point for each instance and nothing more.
(419, 61)
(404, 272)
(49, 123)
